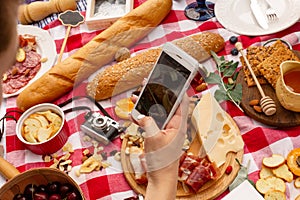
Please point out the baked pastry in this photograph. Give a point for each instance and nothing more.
(293, 159)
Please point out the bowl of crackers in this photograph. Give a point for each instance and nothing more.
(43, 129)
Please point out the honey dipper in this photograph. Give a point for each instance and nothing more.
(267, 104)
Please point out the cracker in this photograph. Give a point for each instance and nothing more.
(270, 67)
(256, 55)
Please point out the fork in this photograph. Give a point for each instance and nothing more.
(270, 12)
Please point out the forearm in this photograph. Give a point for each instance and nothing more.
(162, 184)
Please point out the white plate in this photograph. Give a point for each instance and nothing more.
(236, 16)
(45, 47)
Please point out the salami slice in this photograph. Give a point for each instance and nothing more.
(21, 73)
(8, 89)
(32, 59)
(16, 83)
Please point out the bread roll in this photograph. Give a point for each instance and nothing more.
(98, 52)
(130, 73)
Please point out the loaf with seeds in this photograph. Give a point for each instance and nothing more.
(130, 73)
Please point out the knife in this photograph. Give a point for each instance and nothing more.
(259, 15)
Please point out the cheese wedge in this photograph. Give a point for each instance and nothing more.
(216, 129)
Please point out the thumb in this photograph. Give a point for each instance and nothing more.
(149, 125)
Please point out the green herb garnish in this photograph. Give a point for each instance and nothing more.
(226, 80)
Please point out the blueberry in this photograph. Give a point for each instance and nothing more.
(234, 52)
(233, 39)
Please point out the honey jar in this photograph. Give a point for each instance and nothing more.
(288, 85)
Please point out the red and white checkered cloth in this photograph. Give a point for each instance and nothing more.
(260, 140)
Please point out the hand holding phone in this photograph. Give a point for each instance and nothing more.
(166, 84)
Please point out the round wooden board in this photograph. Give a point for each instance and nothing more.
(282, 118)
(210, 190)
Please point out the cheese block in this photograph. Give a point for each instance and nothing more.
(216, 129)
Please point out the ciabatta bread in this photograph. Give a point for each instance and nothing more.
(130, 73)
(98, 52)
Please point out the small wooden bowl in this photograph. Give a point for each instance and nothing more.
(18, 181)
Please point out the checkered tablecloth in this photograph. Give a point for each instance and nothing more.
(260, 140)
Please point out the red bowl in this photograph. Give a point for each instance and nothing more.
(53, 144)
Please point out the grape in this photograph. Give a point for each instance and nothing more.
(19, 197)
(234, 52)
(55, 197)
(52, 191)
(53, 187)
(40, 196)
(72, 196)
(65, 188)
(29, 190)
(233, 39)
(42, 188)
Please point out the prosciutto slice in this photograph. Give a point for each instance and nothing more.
(195, 171)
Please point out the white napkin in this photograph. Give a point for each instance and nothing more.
(244, 191)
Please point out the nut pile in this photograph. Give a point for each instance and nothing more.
(91, 160)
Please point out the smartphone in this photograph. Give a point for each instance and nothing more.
(166, 84)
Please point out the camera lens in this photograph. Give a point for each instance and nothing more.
(99, 122)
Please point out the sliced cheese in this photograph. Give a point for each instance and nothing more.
(217, 130)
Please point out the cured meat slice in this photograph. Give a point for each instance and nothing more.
(32, 59)
(199, 176)
(16, 84)
(195, 171)
(7, 89)
(21, 73)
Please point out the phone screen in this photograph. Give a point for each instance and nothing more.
(166, 82)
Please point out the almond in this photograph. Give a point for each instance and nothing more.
(201, 87)
(257, 109)
(254, 102)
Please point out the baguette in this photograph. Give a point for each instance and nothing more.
(130, 73)
(98, 52)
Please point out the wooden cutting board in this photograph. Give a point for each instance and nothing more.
(210, 190)
(282, 118)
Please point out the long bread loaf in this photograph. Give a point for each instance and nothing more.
(98, 52)
(130, 73)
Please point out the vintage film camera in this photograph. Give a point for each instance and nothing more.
(100, 127)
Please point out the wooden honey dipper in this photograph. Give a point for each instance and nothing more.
(36, 11)
(267, 104)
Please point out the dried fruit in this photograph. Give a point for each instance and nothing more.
(123, 108)
(21, 55)
(228, 169)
